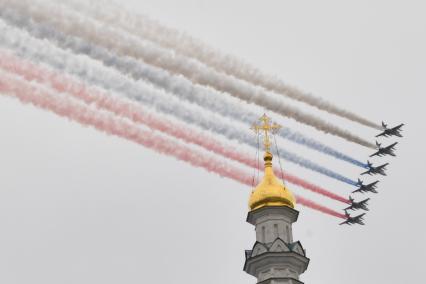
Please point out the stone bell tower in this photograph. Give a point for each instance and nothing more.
(275, 257)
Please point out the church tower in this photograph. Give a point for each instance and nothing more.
(275, 257)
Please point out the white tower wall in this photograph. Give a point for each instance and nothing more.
(275, 258)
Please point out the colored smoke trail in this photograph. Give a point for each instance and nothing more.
(93, 72)
(312, 187)
(138, 114)
(122, 43)
(145, 28)
(178, 85)
(314, 144)
(321, 208)
(32, 93)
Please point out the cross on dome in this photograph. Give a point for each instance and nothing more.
(266, 126)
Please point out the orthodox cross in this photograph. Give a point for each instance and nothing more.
(266, 126)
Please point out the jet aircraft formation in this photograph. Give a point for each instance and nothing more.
(372, 170)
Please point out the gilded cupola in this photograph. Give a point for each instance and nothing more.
(270, 191)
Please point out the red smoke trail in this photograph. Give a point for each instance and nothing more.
(110, 124)
(138, 114)
(312, 187)
(30, 93)
(316, 206)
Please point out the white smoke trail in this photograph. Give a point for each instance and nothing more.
(43, 97)
(119, 41)
(142, 26)
(94, 72)
(180, 86)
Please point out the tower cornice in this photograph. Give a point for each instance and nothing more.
(284, 211)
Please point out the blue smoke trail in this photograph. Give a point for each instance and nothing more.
(94, 72)
(178, 85)
(122, 43)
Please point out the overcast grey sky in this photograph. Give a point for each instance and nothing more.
(78, 206)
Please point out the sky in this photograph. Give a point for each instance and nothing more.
(79, 206)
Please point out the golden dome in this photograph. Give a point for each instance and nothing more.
(270, 191)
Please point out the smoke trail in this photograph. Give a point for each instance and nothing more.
(314, 144)
(95, 73)
(123, 43)
(107, 123)
(142, 26)
(178, 85)
(312, 187)
(138, 114)
(318, 207)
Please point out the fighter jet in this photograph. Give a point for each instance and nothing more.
(383, 151)
(394, 131)
(353, 220)
(375, 170)
(371, 187)
(358, 205)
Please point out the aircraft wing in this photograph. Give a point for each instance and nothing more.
(358, 219)
(346, 222)
(392, 146)
(398, 128)
(375, 154)
(382, 134)
(373, 186)
(356, 190)
(348, 208)
(382, 167)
